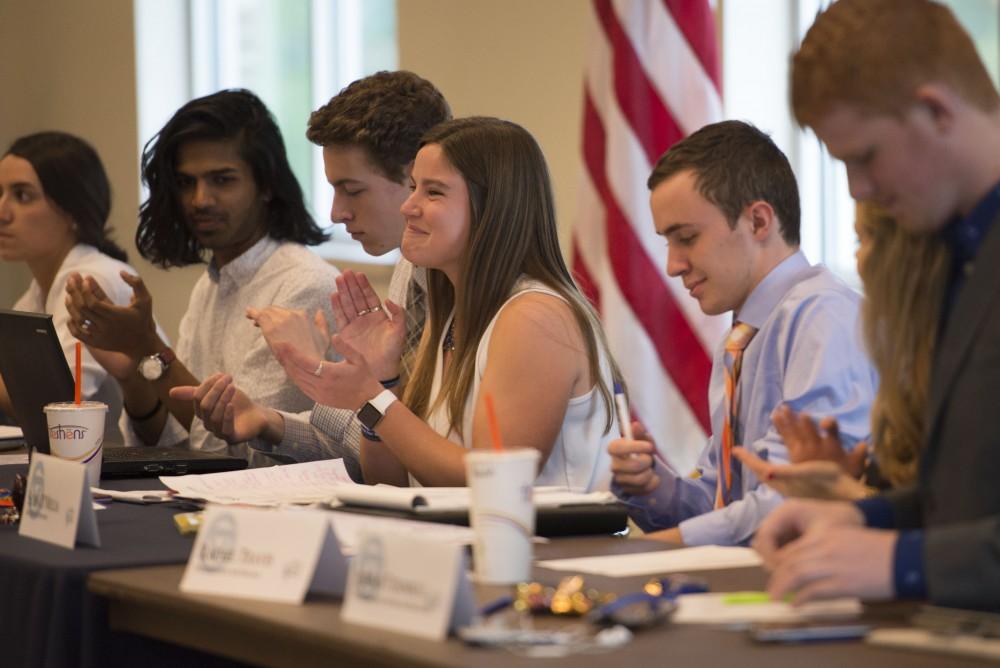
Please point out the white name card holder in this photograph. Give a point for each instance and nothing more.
(57, 504)
(409, 585)
(269, 555)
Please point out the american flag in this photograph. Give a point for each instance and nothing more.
(652, 77)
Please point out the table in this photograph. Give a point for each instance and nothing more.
(147, 601)
(48, 618)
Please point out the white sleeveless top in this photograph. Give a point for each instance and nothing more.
(579, 459)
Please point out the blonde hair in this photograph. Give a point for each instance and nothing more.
(904, 276)
(874, 54)
(512, 233)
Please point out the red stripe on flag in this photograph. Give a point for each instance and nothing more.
(639, 102)
(697, 22)
(584, 280)
(679, 349)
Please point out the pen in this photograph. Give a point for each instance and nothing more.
(496, 606)
(624, 417)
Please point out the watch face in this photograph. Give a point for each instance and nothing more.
(151, 368)
(369, 416)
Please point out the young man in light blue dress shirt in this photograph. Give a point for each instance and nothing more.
(726, 201)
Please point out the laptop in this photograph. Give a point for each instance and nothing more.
(35, 372)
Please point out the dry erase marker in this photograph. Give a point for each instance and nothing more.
(624, 418)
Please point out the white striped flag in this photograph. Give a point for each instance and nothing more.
(652, 77)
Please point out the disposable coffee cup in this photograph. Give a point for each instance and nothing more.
(502, 513)
(76, 433)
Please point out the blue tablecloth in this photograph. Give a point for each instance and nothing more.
(47, 616)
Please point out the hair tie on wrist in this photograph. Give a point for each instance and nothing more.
(145, 416)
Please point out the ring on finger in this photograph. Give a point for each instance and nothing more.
(375, 309)
(318, 371)
(364, 311)
(87, 324)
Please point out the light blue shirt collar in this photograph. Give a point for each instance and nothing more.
(771, 290)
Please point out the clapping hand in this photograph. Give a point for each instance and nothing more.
(98, 322)
(376, 333)
(807, 443)
(117, 336)
(818, 479)
(292, 326)
(225, 410)
(345, 384)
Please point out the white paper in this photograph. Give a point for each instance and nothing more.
(713, 608)
(409, 585)
(135, 496)
(349, 528)
(454, 498)
(8, 432)
(265, 554)
(18, 458)
(309, 482)
(57, 506)
(704, 558)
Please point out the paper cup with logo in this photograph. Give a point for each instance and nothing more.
(502, 513)
(76, 433)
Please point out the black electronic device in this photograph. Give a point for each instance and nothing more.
(36, 373)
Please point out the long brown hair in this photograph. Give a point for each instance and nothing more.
(512, 233)
(904, 276)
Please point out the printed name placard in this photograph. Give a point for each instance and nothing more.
(409, 585)
(271, 555)
(57, 504)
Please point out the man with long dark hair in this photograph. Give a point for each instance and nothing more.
(221, 191)
(370, 133)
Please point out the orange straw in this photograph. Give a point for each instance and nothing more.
(494, 425)
(79, 366)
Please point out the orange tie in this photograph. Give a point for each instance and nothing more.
(736, 343)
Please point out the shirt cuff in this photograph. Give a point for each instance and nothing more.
(702, 530)
(877, 511)
(715, 527)
(909, 576)
(642, 509)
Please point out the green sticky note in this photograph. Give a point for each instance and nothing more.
(744, 597)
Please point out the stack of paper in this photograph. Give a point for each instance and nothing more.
(10, 439)
(309, 482)
(704, 558)
(453, 498)
(730, 609)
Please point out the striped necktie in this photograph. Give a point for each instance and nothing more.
(736, 343)
(416, 313)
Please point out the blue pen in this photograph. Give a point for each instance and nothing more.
(624, 418)
(496, 606)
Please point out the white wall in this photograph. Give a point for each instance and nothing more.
(70, 65)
